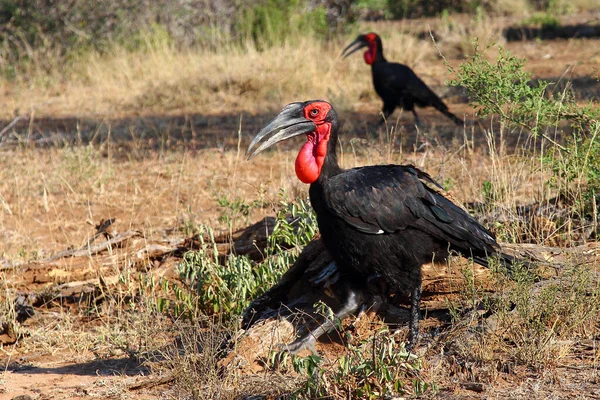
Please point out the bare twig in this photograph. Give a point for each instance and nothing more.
(92, 250)
(13, 123)
(152, 382)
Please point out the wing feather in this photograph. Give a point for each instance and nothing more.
(390, 198)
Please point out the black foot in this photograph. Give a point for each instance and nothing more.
(413, 340)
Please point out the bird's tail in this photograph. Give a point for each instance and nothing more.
(453, 117)
(443, 108)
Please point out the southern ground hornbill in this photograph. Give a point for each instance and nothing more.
(396, 84)
(385, 220)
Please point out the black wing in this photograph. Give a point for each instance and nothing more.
(402, 79)
(388, 198)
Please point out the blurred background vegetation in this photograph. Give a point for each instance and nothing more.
(34, 30)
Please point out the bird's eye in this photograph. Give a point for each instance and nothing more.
(314, 112)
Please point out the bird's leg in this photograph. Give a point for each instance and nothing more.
(309, 339)
(415, 314)
(417, 120)
(387, 111)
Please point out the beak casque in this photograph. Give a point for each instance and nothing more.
(358, 44)
(289, 123)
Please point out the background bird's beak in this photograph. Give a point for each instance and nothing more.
(359, 43)
(289, 123)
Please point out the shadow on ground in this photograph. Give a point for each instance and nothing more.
(111, 367)
(134, 136)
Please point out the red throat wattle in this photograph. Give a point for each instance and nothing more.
(372, 52)
(311, 157)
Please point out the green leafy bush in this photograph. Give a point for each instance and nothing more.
(296, 226)
(504, 88)
(272, 22)
(376, 368)
(228, 287)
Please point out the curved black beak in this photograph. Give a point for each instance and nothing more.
(358, 44)
(289, 123)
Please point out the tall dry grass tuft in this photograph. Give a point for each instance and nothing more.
(160, 78)
(456, 39)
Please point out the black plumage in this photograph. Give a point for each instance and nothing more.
(386, 219)
(397, 84)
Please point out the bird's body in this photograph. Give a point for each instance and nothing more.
(397, 84)
(385, 220)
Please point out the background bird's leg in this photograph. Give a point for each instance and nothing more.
(387, 111)
(417, 120)
(415, 314)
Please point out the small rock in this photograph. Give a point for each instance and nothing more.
(473, 386)
(22, 397)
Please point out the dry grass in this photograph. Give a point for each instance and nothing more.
(51, 197)
(163, 80)
(577, 5)
(511, 7)
(539, 325)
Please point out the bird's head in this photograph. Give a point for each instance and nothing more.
(370, 40)
(316, 119)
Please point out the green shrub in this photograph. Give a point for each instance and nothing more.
(296, 226)
(372, 8)
(543, 19)
(228, 286)
(425, 8)
(272, 22)
(376, 368)
(572, 130)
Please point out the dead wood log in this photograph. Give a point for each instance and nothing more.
(250, 241)
(8, 334)
(77, 272)
(543, 219)
(90, 250)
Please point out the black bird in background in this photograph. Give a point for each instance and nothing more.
(397, 84)
(383, 219)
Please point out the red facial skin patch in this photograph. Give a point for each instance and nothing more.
(311, 157)
(371, 53)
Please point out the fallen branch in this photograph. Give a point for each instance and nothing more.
(151, 382)
(13, 123)
(89, 250)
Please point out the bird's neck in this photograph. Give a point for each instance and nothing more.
(379, 58)
(330, 165)
(374, 54)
